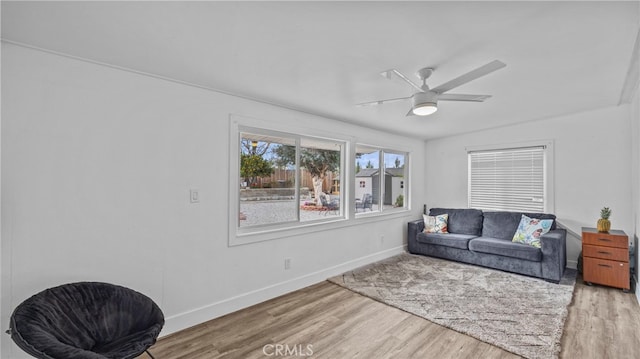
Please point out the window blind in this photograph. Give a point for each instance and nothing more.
(507, 179)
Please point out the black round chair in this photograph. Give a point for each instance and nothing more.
(86, 320)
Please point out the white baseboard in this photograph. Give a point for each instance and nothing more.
(572, 264)
(196, 316)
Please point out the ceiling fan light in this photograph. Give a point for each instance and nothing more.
(425, 109)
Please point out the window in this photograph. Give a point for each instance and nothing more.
(286, 178)
(381, 178)
(510, 179)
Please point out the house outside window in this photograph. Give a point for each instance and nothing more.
(383, 173)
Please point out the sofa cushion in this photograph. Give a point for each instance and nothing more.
(446, 239)
(505, 248)
(436, 224)
(463, 221)
(503, 225)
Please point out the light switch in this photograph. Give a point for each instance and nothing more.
(194, 196)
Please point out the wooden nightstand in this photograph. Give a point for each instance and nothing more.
(605, 258)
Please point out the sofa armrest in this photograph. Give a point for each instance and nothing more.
(554, 254)
(413, 228)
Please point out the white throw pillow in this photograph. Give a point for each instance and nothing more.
(436, 224)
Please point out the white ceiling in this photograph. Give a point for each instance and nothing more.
(324, 57)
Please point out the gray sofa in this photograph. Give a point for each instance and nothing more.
(484, 238)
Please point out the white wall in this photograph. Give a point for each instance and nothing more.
(634, 114)
(592, 156)
(97, 164)
(3, 300)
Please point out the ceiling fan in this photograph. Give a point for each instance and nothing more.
(425, 101)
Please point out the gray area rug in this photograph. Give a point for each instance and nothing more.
(520, 314)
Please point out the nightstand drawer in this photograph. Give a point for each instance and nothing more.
(602, 271)
(602, 252)
(605, 239)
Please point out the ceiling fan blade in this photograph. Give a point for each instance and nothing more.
(380, 102)
(470, 76)
(388, 74)
(461, 97)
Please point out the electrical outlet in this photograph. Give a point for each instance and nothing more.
(287, 263)
(194, 196)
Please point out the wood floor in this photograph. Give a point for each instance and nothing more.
(328, 321)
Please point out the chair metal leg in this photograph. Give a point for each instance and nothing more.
(148, 353)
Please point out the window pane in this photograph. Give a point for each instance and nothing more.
(507, 179)
(367, 179)
(320, 179)
(394, 180)
(267, 180)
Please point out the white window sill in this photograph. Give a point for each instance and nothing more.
(266, 234)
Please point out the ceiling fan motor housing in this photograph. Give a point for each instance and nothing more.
(424, 98)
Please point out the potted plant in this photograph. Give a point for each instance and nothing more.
(400, 201)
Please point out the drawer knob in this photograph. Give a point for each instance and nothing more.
(605, 265)
(604, 239)
(603, 252)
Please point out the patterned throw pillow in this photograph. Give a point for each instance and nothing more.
(436, 224)
(531, 229)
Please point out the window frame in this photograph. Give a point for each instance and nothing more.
(548, 168)
(347, 186)
(382, 180)
(298, 140)
(242, 124)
